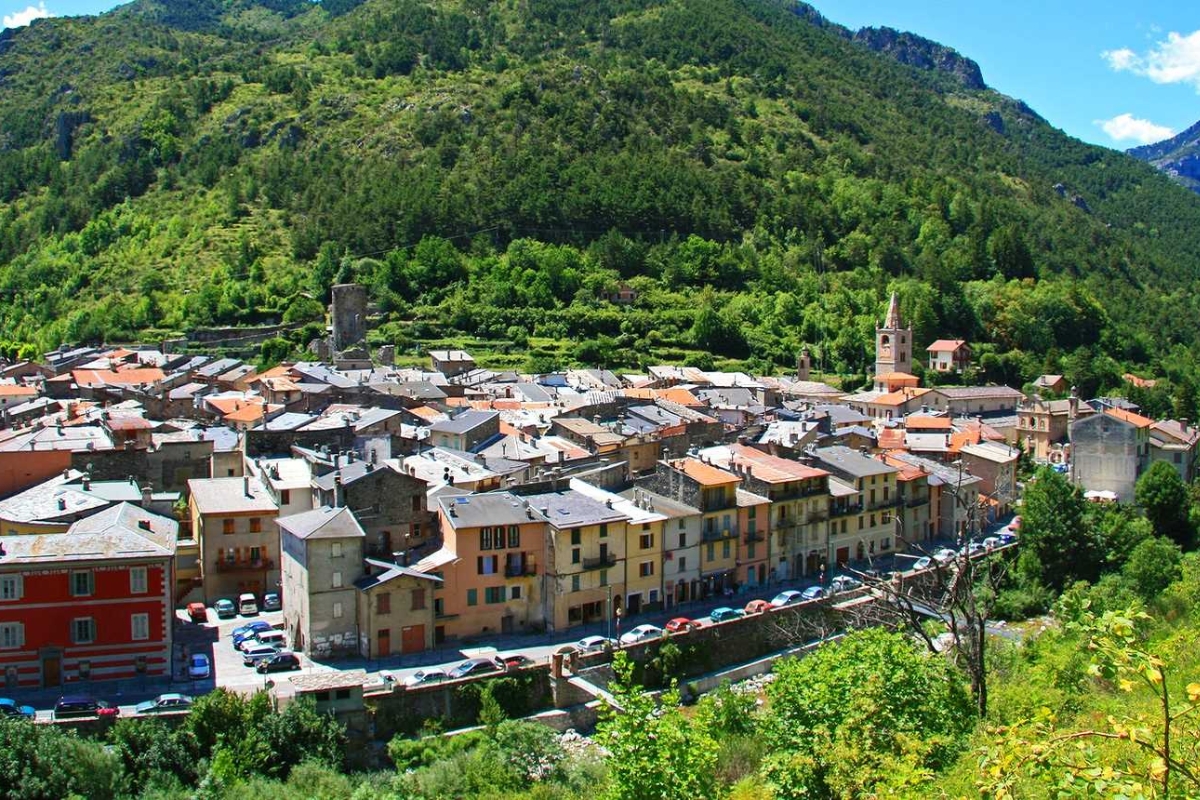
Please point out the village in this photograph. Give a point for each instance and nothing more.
(370, 518)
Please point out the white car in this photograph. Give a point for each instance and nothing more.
(642, 633)
(944, 556)
(424, 677)
(199, 667)
(788, 597)
(594, 644)
(843, 583)
(922, 563)
(991, 543)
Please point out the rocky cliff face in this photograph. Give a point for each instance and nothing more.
(907, 48)
(1178, 157)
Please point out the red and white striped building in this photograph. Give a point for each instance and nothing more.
(92, 603)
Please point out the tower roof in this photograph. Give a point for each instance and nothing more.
(892, 320)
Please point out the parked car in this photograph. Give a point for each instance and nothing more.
(247, 604)
(514, 661)
(725, 613)
(976, 548)
(9, 708)
(197, 613)
(248, 630)
(78, 705)
(225, 608)
(922, 563)
(474, 666)
(642, 633)
(991, 542)
(269, 637)
(251, 656)
(594, 644)
(843, 583)
(280, 662)
(944, 555)
(272, 601)
(788, 597)
(758, 606)
(199, 667)
(1006, 538)
(681, 625)
(425, 677)
(813, 593)
(164, 703)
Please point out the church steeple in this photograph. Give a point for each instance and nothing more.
(893, 343)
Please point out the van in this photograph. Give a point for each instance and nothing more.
(247, 604)
(271, 638)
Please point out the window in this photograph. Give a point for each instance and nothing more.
(137, 580)
(335, 550)
(487, 565)
(712, 551)
(574, 583)
(83, 630)
(515, 592)
(645, 526)
(575, 537)
(493, 595)
(81, 583)
(285, 497)
(10, 587)
(256, 524)
(485, 538)
(654, 595)
(753, 511)
(885, 494)
(140, 624)
(438, 608)
(604, 577)
(886, 518)
(750, 551)
(683, 539)
(725, 549)
(341, 694)
(337, 610)
(226, 526)
(682, 563)
(603, 530)
(646, 569)
(416, 503)
(514, 536)
(885, 543)
(383, 603)
(337, 580)
(472, 597)
(12, 635)
(575, 555)
(647, 541)
(418, 600)
(682, 525)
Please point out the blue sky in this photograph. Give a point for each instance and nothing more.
(1114, 73)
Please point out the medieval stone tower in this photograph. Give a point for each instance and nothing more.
(349, 315)
(893, 342)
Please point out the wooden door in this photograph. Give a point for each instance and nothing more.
(51, 671)
(384, 647)
(843, 556)
(412, 638)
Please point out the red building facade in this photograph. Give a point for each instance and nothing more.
(93, 603)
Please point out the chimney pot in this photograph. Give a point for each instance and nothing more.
(246, 486)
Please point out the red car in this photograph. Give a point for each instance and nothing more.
(681, 625)
(757, 606)
(197, 612)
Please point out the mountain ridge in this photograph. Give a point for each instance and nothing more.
(1178, 157)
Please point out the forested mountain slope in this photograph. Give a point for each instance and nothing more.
(497, 169)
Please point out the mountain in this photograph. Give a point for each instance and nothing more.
(493, 172)
(1178, 157)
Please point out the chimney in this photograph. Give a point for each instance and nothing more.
(452, 512)
(62, 504)
(87, 481)
(337, 491)
(146, 496)
(246, 486)
(144, 524)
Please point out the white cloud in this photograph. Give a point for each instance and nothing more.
(19, 19)
(1127, 127)
(1175, 59)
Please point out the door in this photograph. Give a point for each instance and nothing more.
(843, 556)
(506, 623)
(412, 638)
(383, 643)
(51, 671)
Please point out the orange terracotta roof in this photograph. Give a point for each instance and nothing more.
(278, 371)
(960, 439)
(891, 439)
(426, 413)
(12, 390)
(458, 402)
(945, 344)
(229, 405)
(704, 474)
(772, 469)
(1142, 383)
(680, 396)
(895, 377)
(249, 413)
(124, 377)
(927, 423)
(1137, 420)
(900, 397)
(908, 472)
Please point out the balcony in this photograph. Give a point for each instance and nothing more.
(916, 502)
(245, 566)
(754, 536)
(717, 534)
(817, 516)
(841, 511)
(520, 570)
(603, 562)
(884, 504)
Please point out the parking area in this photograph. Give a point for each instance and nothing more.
(215, 639)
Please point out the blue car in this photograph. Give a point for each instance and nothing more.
(248, 630)
(726, 613)
(813, 593)
(9, 708)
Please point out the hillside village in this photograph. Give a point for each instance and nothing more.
(393, 510)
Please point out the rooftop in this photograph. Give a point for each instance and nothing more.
(323, 523)
(569, 509)
(851, 462)
(231, 495)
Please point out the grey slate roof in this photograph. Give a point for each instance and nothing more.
(851, 462)
(569, 509)
(323, 523)
(466, 421)
(492, 508)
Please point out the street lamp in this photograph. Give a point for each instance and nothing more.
(608, 630)
(618, 627)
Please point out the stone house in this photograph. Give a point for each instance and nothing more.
(322, 557)
(1110, 451)
(232, 522)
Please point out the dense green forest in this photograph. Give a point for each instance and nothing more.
(495, 170)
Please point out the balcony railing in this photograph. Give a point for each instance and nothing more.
(754, 536)
(245, 566)
(884, 504)
(603, 562)
(519, 570)
(716, 534)
(841, 511)
(818, 516)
